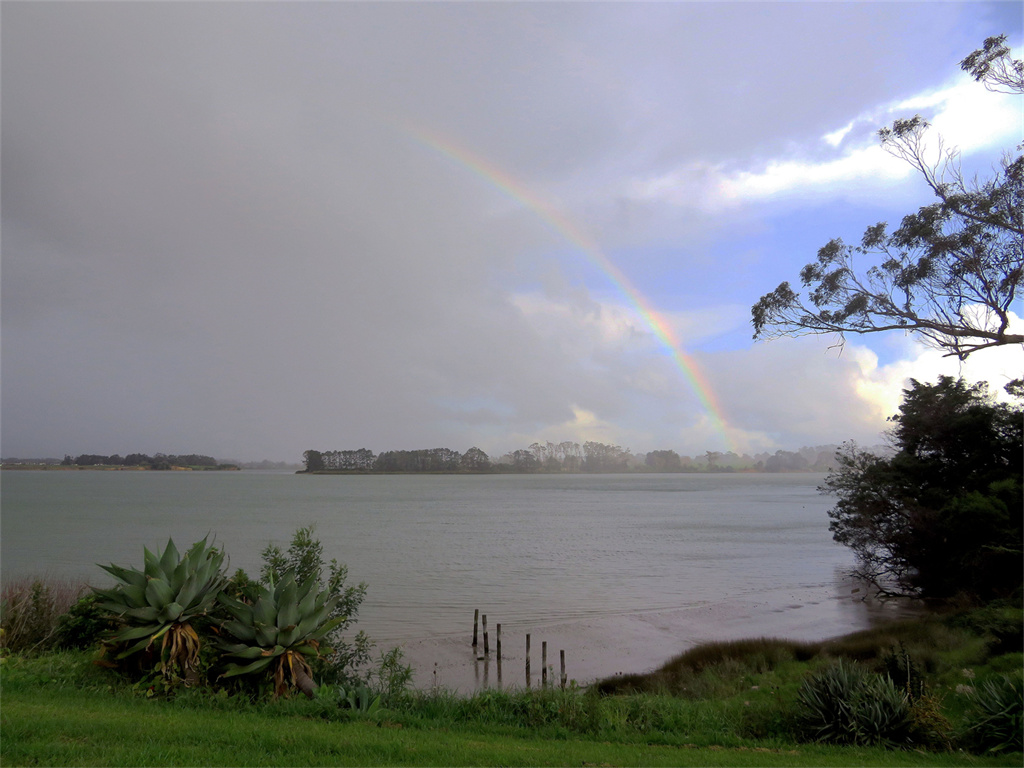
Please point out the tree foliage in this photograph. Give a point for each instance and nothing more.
(304, 559)
(663, 461)
(475, 460)
(157, 461)
(950, 272)
(943, 514)
(991, 64)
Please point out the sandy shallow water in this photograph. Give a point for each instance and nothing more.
(634, 642)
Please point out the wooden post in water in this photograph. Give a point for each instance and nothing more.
(476, 618)
(527, 660)
(544, 664)
(562, 654)
(498, 649)
(487, 645)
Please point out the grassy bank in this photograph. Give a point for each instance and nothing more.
(57, 711)
(718, 704)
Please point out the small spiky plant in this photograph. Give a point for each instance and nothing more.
(282, 628)
(160, 601)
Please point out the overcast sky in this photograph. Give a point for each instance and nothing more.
(249, 229)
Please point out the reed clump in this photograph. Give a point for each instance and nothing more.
(31, 611)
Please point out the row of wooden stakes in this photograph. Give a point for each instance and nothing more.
(487, 651)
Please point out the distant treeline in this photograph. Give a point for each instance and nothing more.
(142, 461)
(566, 457)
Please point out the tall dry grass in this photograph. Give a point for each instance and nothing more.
(30, 610)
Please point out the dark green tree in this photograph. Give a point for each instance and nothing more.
(664, 461)
(949, 273)
(599, 457)
(314, 461)
(524, 461)
(943, 514)
(475, 460)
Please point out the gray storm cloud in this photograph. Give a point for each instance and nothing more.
(222, 234)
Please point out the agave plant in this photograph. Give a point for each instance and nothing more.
(161, 600)
(282, 628)
(846, 704)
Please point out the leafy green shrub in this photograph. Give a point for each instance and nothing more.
(929, 723)
(348, 661)
(391, 677)
(84, 624)
(995, 722)
(1001, 622)
(846, 704)
(241, 587)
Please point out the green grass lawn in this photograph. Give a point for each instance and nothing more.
(59, 709)
(49, 724)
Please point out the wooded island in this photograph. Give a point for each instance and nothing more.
(563, 458)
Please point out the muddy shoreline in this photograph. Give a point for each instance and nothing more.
(636, 642)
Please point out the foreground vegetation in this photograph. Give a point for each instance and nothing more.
(58, 723)
(740, 703)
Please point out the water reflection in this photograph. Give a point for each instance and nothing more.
(857, 599)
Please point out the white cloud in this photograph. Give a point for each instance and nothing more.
(714, 189)
(963, 115)
(835, 138)
(883, 385)
(968, 116)
(796, 391)
(806, 178)
(783, 394)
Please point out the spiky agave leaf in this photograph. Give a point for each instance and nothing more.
(126, 575)
(151, 564)
(287, 598)
(163, 597)
(159, 593)
(170, 558)
(266, 635)
(240, 630)
(259, 665)
(286, 622)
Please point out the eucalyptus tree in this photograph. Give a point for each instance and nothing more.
(951, 272)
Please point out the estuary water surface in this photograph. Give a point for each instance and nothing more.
(641, 565)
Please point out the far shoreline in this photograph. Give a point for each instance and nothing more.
(111, 468)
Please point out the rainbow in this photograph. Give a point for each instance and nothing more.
(558, 221)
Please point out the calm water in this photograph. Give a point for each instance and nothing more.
(531, 549)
